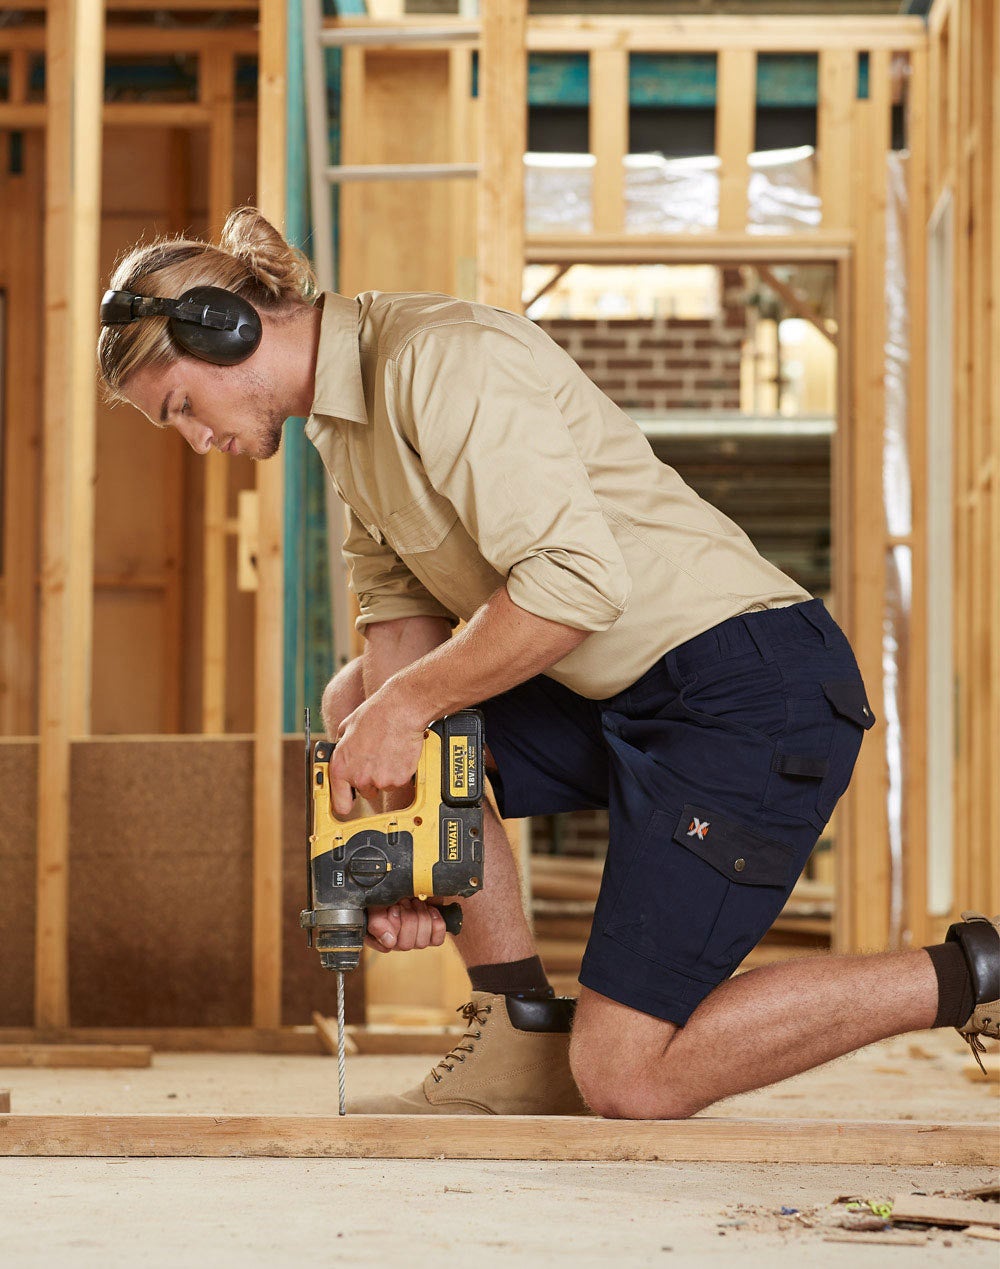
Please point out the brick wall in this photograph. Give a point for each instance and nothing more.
(663, 363)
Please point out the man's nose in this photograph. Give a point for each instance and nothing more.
(198, 436)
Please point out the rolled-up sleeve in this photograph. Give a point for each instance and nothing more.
(494, 442)
(385, 587)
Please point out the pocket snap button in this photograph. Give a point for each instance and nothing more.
(740, 864)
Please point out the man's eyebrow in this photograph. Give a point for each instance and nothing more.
(165, 407)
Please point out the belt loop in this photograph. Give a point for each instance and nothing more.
(815, 618)
(758, 636)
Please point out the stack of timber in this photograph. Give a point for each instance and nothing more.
(564, 891)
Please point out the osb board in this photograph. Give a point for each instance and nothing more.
(160, 870)
(18, 778)
(159, 882)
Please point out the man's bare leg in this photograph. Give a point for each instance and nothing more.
(753, 1030)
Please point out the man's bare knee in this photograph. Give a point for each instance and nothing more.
(342, 696)
(638, 1092)
(619, 1082)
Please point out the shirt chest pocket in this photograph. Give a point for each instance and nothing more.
(421, 525)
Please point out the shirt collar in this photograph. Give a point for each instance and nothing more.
(339, 390)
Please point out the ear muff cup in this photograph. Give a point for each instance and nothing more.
(226, 331)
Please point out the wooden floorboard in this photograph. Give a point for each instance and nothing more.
(478, 1137)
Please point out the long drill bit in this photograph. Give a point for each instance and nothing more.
(341, 1056)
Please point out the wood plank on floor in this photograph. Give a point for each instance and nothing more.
(103, 1056)
(927, 1210)
(496, 1137)
(369, 1041)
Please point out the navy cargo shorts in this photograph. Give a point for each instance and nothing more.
(720, 767)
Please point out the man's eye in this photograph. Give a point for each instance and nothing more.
(186, 407)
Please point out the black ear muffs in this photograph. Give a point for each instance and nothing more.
(208, 322)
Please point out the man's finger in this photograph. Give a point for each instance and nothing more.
(341, 797)
(438, 931)
(383, 927)
(425, 927)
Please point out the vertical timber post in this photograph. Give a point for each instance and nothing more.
(503, 78)
(75, 91)
(268, 667)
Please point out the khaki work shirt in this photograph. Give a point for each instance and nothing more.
(471, 452)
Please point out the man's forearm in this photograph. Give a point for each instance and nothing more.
(501, 646)
(390, 646)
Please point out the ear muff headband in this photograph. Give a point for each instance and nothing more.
(208, 322)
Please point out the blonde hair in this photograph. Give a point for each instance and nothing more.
(252, 259)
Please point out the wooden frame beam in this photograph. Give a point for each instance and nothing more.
(800, 307)
(124, 40)
(716, 248)
(495, 1137)
(609, 136)
(75, 57)
(269, 611)
(735, 121)
(503, 86)
(216, 90)
(805, 34)
(838, 87)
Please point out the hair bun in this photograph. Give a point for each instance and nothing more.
(282, 270)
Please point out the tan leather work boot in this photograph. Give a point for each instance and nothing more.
(512, 1060)
(979, 939)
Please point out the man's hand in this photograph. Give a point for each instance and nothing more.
(378, 748)
(405, 927)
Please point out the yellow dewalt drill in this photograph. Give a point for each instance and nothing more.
(433, 847)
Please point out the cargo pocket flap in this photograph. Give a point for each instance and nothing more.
(733, 849)
(847, 696)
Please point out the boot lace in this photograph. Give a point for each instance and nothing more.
(475, 1016)
(976, 1045)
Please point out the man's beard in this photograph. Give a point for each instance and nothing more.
(268, 438)
(267, 434)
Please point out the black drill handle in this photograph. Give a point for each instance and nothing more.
(452, 913)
